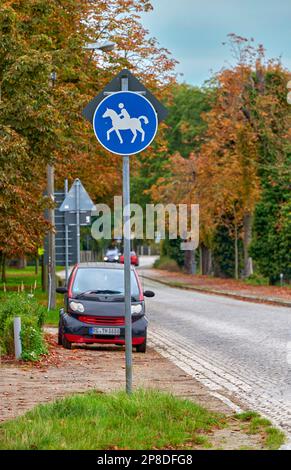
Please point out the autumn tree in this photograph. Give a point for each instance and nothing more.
(41, 37)
(270, 246)
(120, 22)
(184, 135)
(246, 127)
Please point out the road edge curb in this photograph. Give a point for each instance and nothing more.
(247, 298)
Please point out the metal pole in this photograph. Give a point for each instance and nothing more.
(78, 218)
(66, 239)
(17, 338)
(127, 264)
(51, 239)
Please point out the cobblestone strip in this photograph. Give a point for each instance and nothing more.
(228, 382)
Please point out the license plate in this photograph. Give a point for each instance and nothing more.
(105, 331)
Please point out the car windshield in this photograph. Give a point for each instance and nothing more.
(111, 252)
(98, 279)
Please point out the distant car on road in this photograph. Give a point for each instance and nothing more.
(111, 256)
(94, 310)
(133, 258)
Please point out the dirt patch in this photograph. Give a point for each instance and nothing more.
(64, 372)
(234, 438)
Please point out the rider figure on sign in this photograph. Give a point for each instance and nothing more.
(123, 114)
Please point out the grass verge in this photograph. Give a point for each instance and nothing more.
(146, 420)
(27, 279)
(274, 438)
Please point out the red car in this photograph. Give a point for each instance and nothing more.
(133, 258)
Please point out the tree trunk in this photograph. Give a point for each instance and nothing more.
(189, 261)
(209, 265)
(3, 268)
(235, 252)
(247, 238)
(206, 260)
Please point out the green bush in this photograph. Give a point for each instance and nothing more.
(172, 249)
(256, 280)
(166, 263)
(32, 318)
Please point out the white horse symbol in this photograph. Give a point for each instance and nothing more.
(125, 122)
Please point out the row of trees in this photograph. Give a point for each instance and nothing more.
(225, 146)
(230, 144)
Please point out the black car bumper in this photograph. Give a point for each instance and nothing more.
(76, 331)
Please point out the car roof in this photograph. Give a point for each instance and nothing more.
(102, 266)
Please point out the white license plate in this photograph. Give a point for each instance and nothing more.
(105, 331)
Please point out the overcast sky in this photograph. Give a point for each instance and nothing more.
(194, 30)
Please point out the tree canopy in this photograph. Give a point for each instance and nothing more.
(40, 120)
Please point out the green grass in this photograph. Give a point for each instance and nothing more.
(256, 280)
(27, 277)
(145, 420)
(52, 317)
(274, 438)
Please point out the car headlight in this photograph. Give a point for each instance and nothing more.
(77, 307)
(116, 258)
(135, 309)
(105, 258)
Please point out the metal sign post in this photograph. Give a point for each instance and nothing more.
(67, 238)
(51, 241)
(125, 117)
(77, 189)
(127, 264)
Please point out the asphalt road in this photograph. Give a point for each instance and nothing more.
(240, 350)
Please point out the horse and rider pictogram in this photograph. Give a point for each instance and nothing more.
(125, 123)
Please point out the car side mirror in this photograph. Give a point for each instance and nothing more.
(149, 293)
(61, 290)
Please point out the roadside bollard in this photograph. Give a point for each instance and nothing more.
(281, 279)
(17, 339)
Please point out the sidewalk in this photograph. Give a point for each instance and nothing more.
(228, 287)
(82, 369)
(86, 368)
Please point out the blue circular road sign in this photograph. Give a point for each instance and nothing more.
(125, 123)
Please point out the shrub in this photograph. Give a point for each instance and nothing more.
(257, 280)
(32, 318)
(166, 263)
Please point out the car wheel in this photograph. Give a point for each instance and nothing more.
(66, 344)
(141, 348)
